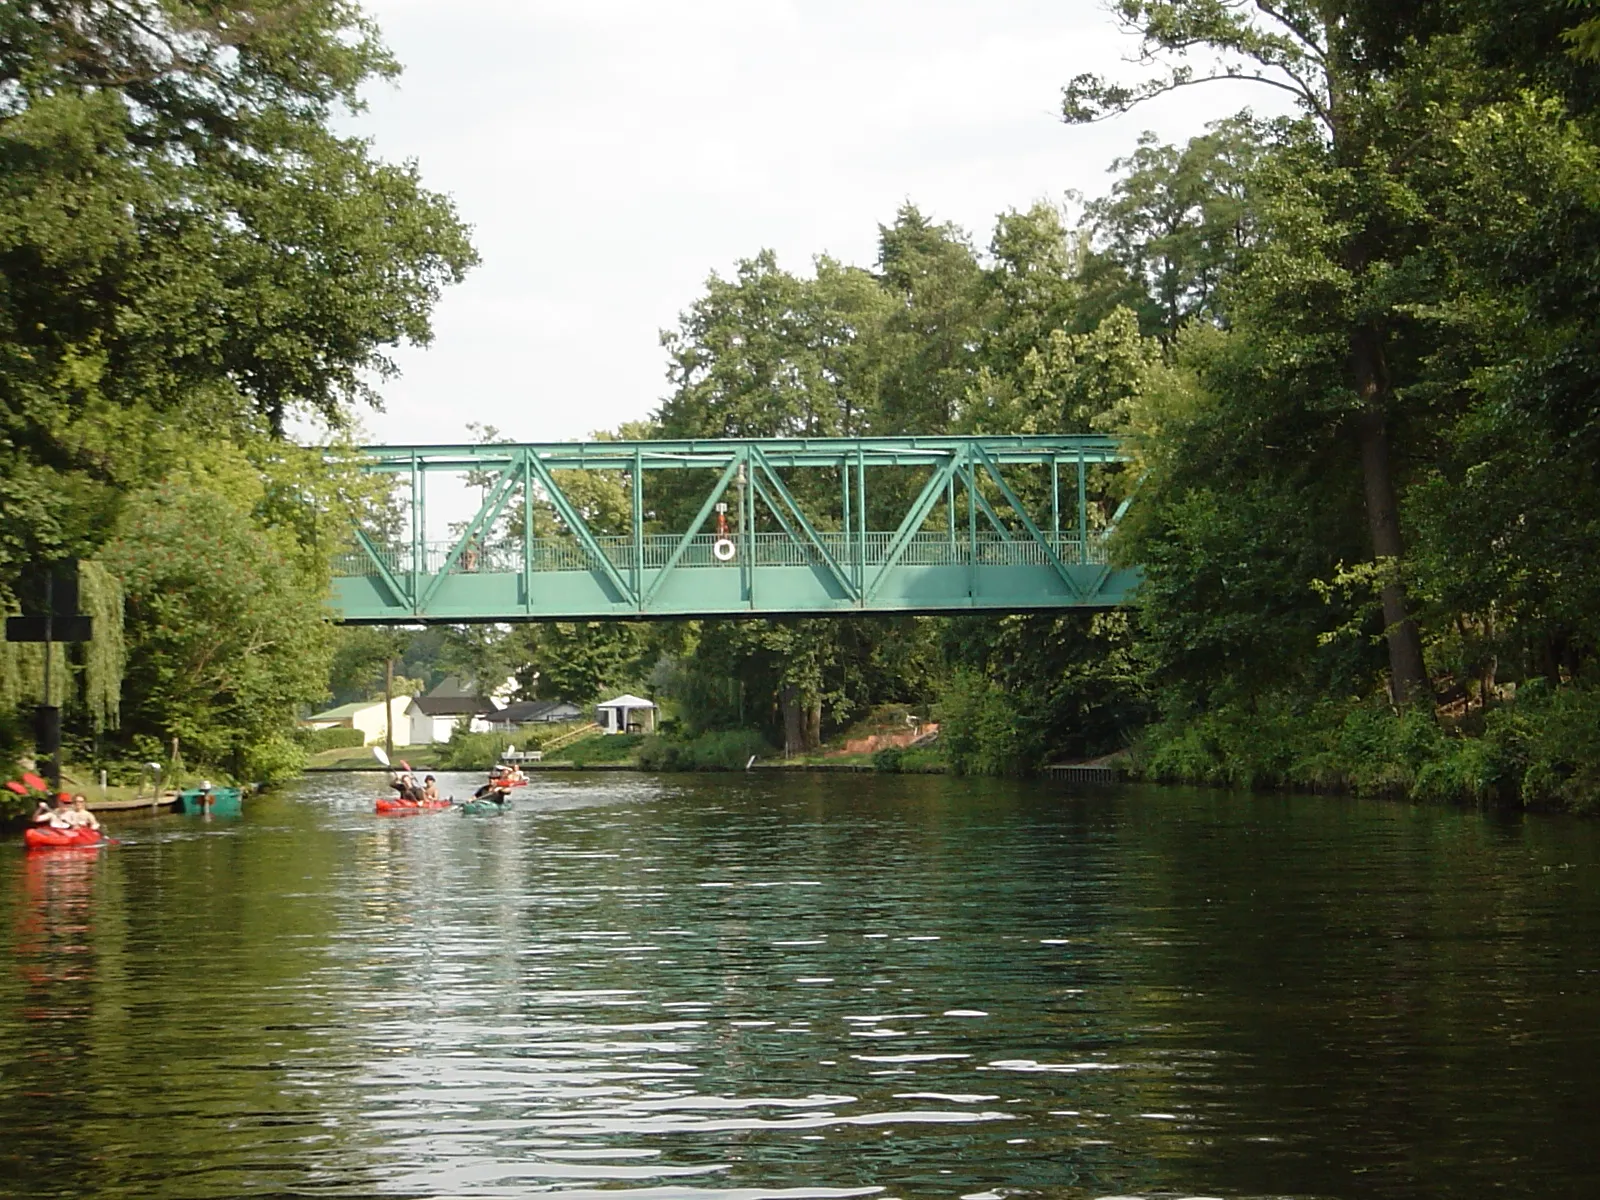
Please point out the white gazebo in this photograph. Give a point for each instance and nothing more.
(626, 714)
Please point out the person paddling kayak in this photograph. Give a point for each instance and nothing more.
(498, 789)
(405, 785)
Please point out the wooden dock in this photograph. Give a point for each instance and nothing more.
(161, 803)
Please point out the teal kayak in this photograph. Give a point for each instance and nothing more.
(482, 807)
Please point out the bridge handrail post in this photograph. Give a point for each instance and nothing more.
(638, 525)
(527, 531)
(419, 525)
(861, 520)
(1083, 512)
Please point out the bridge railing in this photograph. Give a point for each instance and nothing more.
(928, 549)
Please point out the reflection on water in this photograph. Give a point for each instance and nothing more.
(804, 987)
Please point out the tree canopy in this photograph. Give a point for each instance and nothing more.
(192, 262)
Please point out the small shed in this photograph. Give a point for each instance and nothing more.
(367, 716)
(626, 714)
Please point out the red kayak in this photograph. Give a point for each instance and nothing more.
(397, 808)
(46, 838)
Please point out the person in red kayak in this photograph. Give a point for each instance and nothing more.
(79, 816)
(405, 786)
(46, 817)
(430, 791)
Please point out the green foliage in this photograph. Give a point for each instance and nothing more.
(889, 760)
(1176, 226)
(985, 731)
(1540, 750)
(724, 750)
(1546, 747)
(605, 748)
(271, 758)
(314, 741)
(227, 639)
(466, 751)
(579, 662)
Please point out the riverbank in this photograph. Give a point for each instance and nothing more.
(1540, 751)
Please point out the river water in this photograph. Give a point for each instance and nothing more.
(805, 986)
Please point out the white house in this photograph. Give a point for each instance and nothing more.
(367, 716)
(455, 701)
(626, 714)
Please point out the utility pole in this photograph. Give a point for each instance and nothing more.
(388, 706)
(47, 731)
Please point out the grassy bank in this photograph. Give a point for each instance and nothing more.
(361, 758)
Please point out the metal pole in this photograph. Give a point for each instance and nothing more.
(47, 725)
(527, 529)
(1083, 513)
(845, 521)
(972, 530)
(417, 534)
(388, 705)
(747, 509)
(861, 518)
(638, 524)
(1055, 501)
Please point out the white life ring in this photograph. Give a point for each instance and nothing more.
(724, 549)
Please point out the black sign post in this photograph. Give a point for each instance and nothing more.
(56, 619)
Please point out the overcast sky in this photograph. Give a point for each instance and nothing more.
(611, 154)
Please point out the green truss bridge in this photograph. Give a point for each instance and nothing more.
(758, 527)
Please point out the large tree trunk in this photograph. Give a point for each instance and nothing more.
(794, 715)
(1408, 675)
(813, 726)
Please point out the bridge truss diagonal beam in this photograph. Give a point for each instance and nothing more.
(577, 525)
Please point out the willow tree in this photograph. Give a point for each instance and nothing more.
(87, 676)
